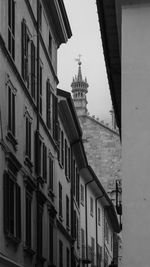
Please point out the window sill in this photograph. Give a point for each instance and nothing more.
(51, 194)
(68, 179)
(82, 203)
(28, 163)
(41, 180)
(10, 137)
(60, 218)
(68, 228)
(28, 250)
(61, 166)
(91, 213)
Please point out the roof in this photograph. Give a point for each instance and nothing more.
(111, 46)
(58, 15)
(69, 118)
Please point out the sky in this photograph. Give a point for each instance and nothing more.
(86, 41)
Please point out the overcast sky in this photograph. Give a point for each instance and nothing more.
(86, 40)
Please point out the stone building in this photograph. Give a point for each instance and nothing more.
(30, 34)
(101, 142)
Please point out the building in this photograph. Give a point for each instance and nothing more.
(72, 159)
(30, 34)
(125, 30)
(99, 222)
(101, 142)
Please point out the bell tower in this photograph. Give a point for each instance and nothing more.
(79, 91)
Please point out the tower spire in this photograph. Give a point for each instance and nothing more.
(79, 90)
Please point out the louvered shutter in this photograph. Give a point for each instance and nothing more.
(6, 201)
(23, 50)
(18, 212)
(33, 69)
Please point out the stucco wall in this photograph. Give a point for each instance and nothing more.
(136, 134)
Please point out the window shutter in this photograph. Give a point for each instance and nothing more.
(18, 212)
(6, 202)
(32, 69)
(23, 46)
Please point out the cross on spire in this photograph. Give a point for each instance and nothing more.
(79, 59)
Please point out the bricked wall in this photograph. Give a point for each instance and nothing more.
(103, 149)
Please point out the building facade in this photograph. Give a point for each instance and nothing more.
(30, 34)
(126, 54)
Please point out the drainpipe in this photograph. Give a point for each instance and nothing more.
(97, 227)
(86, 226)
(37, 139)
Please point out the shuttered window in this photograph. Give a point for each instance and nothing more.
(82, 194)
(51, 173)
(67, 211)
(12, 207)
(40, 231)
(11, 110)
(28, 219)
(25, 52)
(40, 95)
(48, 105)
(33, 60)
(44, 162)
(83, 243)
(28, 137)
(60, 200)
(60, 253)
(51, 240)
(66, 158)
(68, 257)
(62, 148)
(11, 27)
(77, 186)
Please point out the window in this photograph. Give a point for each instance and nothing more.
(69, 162)
(40, 82)
(51, 240)
(77, 186)
(92, 250)
(40, 17)
(25, 52)
(11, 110)
(111, 242)
(11, 27)
(67, 212)
(83, 243)
(51, 173)
(60, 253)
(66, 158)
(40, 230)
(28, 219)
(91, 206)
(68, 257)
(74, 177)
(77, 225)
(50, 44)
(44, 163)
(99, 216)
(74, 224)
(82, 194)
(33, 58)
(62, 148)
(99, 255)
(12, 207)
(37, 153)
(28, 137)
(48, 105)
(60, 201)
(106, 232)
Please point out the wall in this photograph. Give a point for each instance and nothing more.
(136, 134)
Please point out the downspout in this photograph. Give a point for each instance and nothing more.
(37, 139)
(86, 226)
(97, 227)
